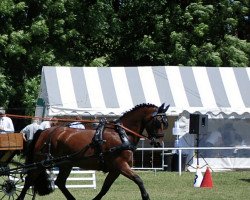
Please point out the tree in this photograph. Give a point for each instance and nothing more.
(181, 32)
(30, 94)
(6, 91)
(35, 33)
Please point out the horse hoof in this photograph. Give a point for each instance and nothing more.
(146, 198)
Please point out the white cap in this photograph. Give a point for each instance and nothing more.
(2, 111)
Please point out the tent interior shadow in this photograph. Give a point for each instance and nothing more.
(245, 179)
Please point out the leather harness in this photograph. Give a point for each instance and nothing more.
(97, 142)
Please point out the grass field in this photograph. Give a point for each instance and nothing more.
(169, 186)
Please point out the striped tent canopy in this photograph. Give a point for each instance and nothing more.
(114, 90)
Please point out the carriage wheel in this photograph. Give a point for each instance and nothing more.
(11, 183)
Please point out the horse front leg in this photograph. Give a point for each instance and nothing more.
(109, 180)
(129, 173)
(61, 179)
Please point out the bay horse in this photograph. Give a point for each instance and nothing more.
(109, 148)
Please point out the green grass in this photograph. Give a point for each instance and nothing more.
(169, 186)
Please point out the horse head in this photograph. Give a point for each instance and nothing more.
(157, 124)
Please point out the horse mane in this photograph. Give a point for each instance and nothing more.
(138, 107)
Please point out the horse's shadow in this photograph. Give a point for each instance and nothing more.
(245, 179)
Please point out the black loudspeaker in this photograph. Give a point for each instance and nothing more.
(198, 124)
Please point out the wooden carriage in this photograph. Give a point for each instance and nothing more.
(11, 141)
(9, 144)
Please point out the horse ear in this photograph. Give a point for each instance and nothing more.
(161, 108)
(166, 108)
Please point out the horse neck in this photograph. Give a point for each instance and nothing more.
(135, 124)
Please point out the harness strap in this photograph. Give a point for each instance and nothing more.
(47, 144)
(98, 137)
(51, 161)
(122, 147)
(126, 144)
(97, 142)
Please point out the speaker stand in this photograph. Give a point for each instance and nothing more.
(197, 154)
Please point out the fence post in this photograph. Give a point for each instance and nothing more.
(180, 164)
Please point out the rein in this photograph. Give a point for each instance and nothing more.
(133, 132)
(49, 118)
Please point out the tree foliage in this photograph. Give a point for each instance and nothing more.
(34, 33)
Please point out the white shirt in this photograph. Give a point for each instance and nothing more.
(6, 124)
(30, 130)
(44, 125)
(76, 125)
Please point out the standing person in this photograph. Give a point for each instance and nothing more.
(6, 124)
(214, 139)
(29, 130)
(230, 136)
(28, 133)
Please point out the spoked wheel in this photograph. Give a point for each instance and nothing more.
(11, 182)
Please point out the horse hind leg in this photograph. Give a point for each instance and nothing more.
(26, 186)
(61, 179)
(109, 180)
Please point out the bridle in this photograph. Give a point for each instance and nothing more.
(161, 118)
(163, 121)
(158, 121)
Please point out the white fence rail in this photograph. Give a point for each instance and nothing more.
(80, 178)
(179, 152)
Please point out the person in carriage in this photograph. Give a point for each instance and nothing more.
(6, 124)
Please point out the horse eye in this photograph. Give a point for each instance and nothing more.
(157, 123)
(164, 121)
(159, 118)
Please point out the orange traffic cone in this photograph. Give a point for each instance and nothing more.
(207, 179)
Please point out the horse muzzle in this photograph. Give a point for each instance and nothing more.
(155, 143)
(159, 135)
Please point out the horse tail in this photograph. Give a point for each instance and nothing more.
(44, 183)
